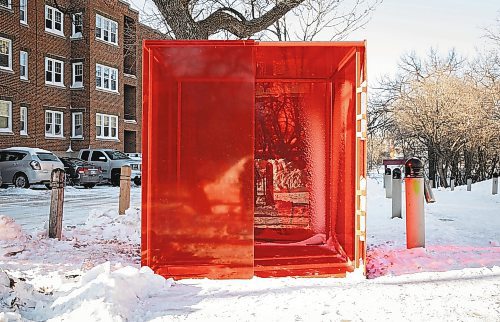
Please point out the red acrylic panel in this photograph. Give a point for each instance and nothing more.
(198, 214)
(251, 163)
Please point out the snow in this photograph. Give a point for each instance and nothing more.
(94, 273)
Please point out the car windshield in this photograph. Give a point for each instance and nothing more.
(117, 155)
(47, 157)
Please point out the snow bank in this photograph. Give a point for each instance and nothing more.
(109, 225)
(106, 295)
(12, 237)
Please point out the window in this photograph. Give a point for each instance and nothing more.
(5, 116)
(98, 156)
(54, 71)
(44, 156)
(54, 21)
(106, 78)
(77, 75)
(106, 126)
(77, 26)
(6, 156)
(23, 11)
(77, 128)
(23, 65)
(85, 155)
(5, 53)
(106, 29)
(117, 155)
(53, 124)
(5, 4)
(23, 129)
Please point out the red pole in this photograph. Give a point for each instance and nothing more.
(415, 219)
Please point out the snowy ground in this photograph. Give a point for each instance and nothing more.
(93, 274)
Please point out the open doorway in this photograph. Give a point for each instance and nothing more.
(292, 163)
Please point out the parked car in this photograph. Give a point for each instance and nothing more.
(81, 173)
(23, 166)
(110, 161)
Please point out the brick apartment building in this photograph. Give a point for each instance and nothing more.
(70, 74)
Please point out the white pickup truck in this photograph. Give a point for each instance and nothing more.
(111, 162)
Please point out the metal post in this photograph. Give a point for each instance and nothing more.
(469, 183)
(415, 219)
(124, 202)
(494, 189)
(452, 183)
(396, 193)
(269, 184)
(429, 195)
(388, 183)
(385, 170)
(57, 179)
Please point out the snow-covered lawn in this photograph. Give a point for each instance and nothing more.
(94, 274)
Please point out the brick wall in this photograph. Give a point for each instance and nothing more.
(39, 97)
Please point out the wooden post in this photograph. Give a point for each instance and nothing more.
(124, 204)
(56, 203)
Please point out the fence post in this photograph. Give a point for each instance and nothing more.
(124, 203)
(388, 183)
(57, 179)
(396, 193)
(494, 189)
(452, 183)
(469, 183)
(415, 219)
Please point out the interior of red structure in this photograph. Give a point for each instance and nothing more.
(295, 223)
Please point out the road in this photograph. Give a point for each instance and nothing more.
(30, 207)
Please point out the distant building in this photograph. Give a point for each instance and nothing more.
(70, 74)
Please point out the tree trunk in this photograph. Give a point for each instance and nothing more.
(432, 165)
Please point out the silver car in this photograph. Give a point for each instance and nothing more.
(25, 166)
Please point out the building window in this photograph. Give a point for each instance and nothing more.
(106, 126)
(54, 72)
(23, 65)
(77, 75)
(106, 29)
(24, 121)
(54, 21)
(23, 11)
(5, 53)
(5, 116)
(53, 124)
(106, 78)
(5, 4)
(77, 26)
(77, 125)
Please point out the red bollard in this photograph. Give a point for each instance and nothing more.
(415, 219)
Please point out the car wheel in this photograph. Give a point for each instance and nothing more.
(137, 181)
(89, 185)
(21, 181)
(115, 178)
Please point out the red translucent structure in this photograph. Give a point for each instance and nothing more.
(254, 158)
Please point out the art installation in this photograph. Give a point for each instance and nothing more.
(254, 158)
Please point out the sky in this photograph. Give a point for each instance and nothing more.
(402, 26)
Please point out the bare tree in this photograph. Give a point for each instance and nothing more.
(493, 32)
(261, 19)
(444, 110)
